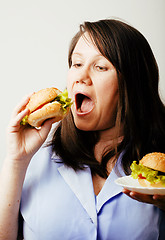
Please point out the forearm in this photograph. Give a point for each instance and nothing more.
(11, 182)
(22, 143)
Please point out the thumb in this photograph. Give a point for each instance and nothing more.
(45, 129)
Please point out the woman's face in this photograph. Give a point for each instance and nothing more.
(92, 84)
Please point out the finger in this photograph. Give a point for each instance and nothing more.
(142, 197)
(45, 128)
(159, 197)
(159, 201)
(17, 120)
(21, 105)
(139, 197)
(14, 124)
(126, 191)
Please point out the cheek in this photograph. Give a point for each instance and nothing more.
(108, 101)
(108, 93)
(112, 100)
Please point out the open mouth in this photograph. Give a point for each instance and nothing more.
(84, 104)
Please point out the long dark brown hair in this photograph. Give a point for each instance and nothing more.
(140, 109)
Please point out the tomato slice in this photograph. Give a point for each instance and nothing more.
(140, 176)
(40, 107)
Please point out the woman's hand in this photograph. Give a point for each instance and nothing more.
(24, 141)
(157, 200)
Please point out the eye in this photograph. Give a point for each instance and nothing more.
(76, 65)
(101, 68)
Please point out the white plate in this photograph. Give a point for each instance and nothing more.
(133, 185)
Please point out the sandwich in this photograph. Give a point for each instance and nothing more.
(150, 171)
(47, 103)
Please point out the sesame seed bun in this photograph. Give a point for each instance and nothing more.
(155, 160)
(41, 97)
(42, 107)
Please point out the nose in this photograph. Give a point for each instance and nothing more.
(85, 81)
(84, 77)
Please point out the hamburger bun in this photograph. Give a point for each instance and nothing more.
(145, 183)
(155, 161)
(41, 97)
(43, 105)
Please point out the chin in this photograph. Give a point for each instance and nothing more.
(89, 126)
(91, 123)
(84, 126)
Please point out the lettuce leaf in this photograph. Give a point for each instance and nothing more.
(151, 175)
(64, 100)
(24, 120)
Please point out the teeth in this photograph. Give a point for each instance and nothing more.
(79, 110)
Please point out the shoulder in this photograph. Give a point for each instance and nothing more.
(42, 171)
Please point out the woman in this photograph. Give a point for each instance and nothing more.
(117, 117)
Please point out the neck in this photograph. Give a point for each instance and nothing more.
(110, 134)
(108, 138)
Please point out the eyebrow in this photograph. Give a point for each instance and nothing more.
(76, 53)
(80, 54)
(98, 55)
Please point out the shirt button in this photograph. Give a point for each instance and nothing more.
(91, 220)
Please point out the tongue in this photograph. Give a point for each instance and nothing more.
(87, 105)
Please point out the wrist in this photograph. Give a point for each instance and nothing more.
(16, 165)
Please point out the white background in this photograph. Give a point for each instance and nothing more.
(35, 35)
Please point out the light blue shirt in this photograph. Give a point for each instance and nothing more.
(59, 204)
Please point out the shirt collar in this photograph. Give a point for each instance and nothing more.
(81, 184)
(110, 189)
